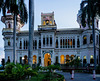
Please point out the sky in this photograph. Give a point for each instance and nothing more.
(65, 13)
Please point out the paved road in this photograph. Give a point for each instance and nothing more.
(80, 76)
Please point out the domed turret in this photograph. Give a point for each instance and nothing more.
(8, 20)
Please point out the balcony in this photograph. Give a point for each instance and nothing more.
(47, 27)
(7, 30)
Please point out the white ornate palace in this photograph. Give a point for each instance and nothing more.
(50, 45)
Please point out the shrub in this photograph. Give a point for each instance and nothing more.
(8, 68)
(53, 67)
(17, 72)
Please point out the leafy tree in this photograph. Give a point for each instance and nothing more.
(76, 62)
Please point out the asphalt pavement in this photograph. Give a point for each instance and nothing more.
(79, 76)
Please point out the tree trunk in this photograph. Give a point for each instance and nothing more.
(31, 30)
(14, 40)
(93, 30)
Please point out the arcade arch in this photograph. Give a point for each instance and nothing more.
(47, 59)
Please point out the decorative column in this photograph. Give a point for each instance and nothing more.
(49, 40)
(45, 41)
(58, 42)
(75, 41)
(37, 43)
(59, 58)
(22, 39)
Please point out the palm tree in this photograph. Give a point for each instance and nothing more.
(16, 7)
(90, 9)
(31, 30)
(1, 4)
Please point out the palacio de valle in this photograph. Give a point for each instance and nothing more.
(51, 45)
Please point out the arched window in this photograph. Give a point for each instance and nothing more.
(44, 23)
(50, 22)
(20, 60)
(56, 59)
(34, 59)
(43, 41)
(63, 43)
(8, 61)
(78, 43)
(67, 59)
(84, 60)
(91, 59)
(8, 42)
(84, 39)
(97, 21)
(24, 45)
(73, 43)
(39, 43)
(96, 39)
(25, 59)
(47, 22)
(91, 38)
(56, 43)
(66, 43)
(47, 40)
(50, 40)
(20, 44)
(72, 57)
(9, 25)
(62, 59)
(60, 43)
(35, 44)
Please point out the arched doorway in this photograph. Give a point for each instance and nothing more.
(84, 61)
(47, 59)
(25, 59)
(72, 57)
(62, 59)
(67, 59)
(91, 59)
(8, 61)
(34, 59)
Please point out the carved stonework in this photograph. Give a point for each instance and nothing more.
(45, 51)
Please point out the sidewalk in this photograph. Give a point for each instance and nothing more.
(80, 76)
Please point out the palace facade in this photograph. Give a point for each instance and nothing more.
(50, 45)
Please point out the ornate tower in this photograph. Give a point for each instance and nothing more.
(9, 22)
(47, 22)
(7, 32)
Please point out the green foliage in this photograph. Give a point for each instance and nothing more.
(1, 68)
(17, 7)
(9, 67)
(76, 62)
(17, 72)
(53, 67)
